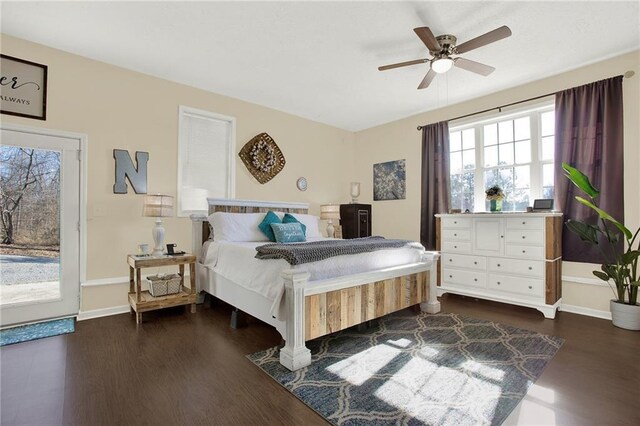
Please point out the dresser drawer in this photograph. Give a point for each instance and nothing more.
(456, 222)
(525, 223)
(456, 235)
(467, 278)
(524, 236)
(532, 268)
(524, 252)
(525, 286)
(456, 247)
(464, 261)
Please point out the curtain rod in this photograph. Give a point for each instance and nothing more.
(627, 74)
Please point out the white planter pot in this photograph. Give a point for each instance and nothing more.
(625, 316)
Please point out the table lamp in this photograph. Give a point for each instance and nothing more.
(330, 212)
(158, 206)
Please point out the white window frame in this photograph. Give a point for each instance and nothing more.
(533, 112)
(231, 182)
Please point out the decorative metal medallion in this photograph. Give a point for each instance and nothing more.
(262, 157)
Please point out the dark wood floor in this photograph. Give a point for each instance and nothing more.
(186, 369)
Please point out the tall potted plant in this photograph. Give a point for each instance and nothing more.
(620, 269)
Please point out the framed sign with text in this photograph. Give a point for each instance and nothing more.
(23, 88)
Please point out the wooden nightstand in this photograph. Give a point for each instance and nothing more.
(142, 301)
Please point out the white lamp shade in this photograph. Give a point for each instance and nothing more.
(330, 211)
(157, 206)
(355, 189)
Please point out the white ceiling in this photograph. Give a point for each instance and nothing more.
(319, 60)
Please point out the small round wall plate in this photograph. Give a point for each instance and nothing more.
(301, 183)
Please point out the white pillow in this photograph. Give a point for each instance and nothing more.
(311, 222)
(237, 226)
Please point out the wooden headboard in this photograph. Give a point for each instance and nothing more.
(201, 230)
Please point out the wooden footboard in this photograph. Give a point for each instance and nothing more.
(336, 310)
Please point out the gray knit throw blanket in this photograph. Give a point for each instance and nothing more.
(314, 251)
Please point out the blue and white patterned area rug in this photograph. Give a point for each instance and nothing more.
(40, 330)
(415, 369)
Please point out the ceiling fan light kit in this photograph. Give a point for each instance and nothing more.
(444, 48)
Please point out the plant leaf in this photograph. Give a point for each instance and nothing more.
(606, 216)
(580, 180)
(630, 256)
(585, 231)
(601, 275)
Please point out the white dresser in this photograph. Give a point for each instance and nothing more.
(507, 257)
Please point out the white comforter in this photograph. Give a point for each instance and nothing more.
(236, 261)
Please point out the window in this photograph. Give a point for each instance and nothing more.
(206, 166)
(514, 151)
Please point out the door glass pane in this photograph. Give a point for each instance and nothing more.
(30, 226)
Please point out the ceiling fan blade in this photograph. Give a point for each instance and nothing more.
(426, 81)
(402, 64)
(473, 66)
(428, 38)
(484, 39)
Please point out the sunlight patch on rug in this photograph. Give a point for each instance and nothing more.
(441, 369)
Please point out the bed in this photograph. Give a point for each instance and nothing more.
(310, 300)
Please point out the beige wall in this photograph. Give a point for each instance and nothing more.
(400, 139)
(117, 108)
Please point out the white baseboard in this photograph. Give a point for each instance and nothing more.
(585, 311)
(104, 312)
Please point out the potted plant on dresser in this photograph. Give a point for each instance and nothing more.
(621, 268)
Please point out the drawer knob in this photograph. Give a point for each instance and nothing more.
(450, 276)
(475, 263)
(455, 235)
(475, 279)
(498, 282)
(455, 221)
(530, 268)
(498, 265)
(455, 246)
(524, 251)
(451, 260)
(530, 287)
(523, 237)
(524, 223)
(501, 236)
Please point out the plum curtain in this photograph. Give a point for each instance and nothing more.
(589, 136)
(435, 196)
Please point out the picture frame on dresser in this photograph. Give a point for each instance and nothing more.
(514, 258)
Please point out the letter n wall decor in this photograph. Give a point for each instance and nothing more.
(124, 168)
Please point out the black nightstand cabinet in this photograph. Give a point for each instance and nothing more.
(355, 220)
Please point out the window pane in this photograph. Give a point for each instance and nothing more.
(468, 183)
(491, 156)
(522, 177)
(490, 178)
(523, 152)
(469, 139)
(518, 200)
(548, 122)
(490, 134)
(455, 162)
(522, 128)
(467, 201)
(469, 159)
(505, 131)
(547, 148)
(547, 192)
(547, 175)
(454, 142)
(506, 154)
(505, 179)
(456, 199)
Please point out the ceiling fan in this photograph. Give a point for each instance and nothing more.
(443, 47)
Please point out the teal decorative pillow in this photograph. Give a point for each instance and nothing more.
(288, 232)
(289, 218)
(265, 225)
